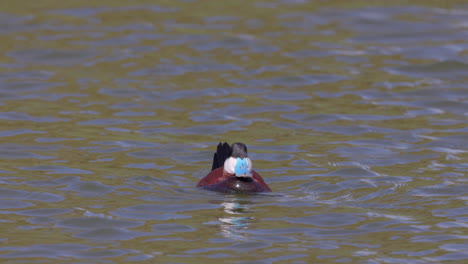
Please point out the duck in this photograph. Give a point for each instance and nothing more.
(232, 172)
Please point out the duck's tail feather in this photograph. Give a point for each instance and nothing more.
(222, 154)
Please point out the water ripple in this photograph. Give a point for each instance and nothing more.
(354, 114)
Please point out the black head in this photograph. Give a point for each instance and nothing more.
(239, 150)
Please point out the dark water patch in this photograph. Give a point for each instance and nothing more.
(314, 53)
(44, 211)
(14, 204)
(435, 238)
(377, 156)
(236, 44)
(200, 130)
(234, 112)
(15, 132)
(289, 125)
(450, 52)
(248, 246)
(286, 96)
(85, 12)
(302, 163)
(304, 118)
(238, 247)
(7, 181)
(381, 143)
(57, 251)
(139, 257)
(435, 190)
(327, 220)
(353, 172)
(363, 151)
(293, 148)
(452, 224)
(103, 150)
(354, 130)
(168, 208)
(450, 257)
(147, 166)
(58, 97)
(414, 254)
(396, 159)
(357, 184)
(441, 106)
(100, 254)
(444, 69)
(456, 142)
(80, 12)
(105, 122)
(170, 69)
(120, 92)
(272, 156)
(455, 247)
(451, 212)
(376, 226)
(172, 228)
(327, 188)
(24, 88)
(96, 222)
(53, 57)
(130, 144)
(148, 216)
(289, 81)
(25, 195)
(89, 188)
(390, 180)
(163, 151)
(133, 113)
(127, 40)
(51, 169)
(109, 233)
(13, 155)
(126, 105)
(55, 182)
(154, 180)
(83, 112)
(153, 123)
(148, 154)
(223, 92)
(42, 220)
(274, 239)
(264, 69)
(377, 26)
(10, 20)
(15, 116)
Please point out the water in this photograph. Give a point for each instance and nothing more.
(355, 115)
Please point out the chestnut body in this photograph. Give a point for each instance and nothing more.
(220, 181)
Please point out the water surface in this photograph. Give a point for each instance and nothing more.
(355, 115)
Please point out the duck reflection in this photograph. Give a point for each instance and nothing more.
(236, 218)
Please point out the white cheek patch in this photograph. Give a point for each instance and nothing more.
(230, 167)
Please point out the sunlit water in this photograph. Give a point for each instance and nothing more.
(355, 115)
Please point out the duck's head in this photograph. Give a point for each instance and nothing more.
(239, 163)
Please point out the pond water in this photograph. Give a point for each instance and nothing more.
(354, 112)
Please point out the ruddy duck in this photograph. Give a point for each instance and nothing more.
(232, 171)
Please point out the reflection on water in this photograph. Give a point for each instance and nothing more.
(353, 112)
(236, 218)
